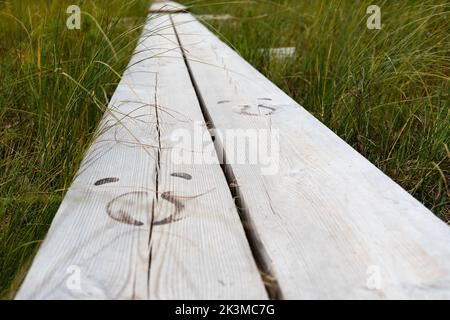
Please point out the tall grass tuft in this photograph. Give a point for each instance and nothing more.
(54, 84)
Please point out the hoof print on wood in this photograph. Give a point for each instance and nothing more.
(267, 110)
(182, 175)
(122, 207)
(179, 206)
(106, 180)
(259, 110)
(178, 202)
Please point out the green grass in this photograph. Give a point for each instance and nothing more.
(54, 84)
(386, 92)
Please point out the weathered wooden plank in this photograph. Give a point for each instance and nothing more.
(134, 224)
(328, 223)
(167, 7)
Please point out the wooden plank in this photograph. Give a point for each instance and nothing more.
(134, 224)
(167, 7)
(328, 224)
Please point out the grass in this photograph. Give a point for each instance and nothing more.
(386, 92)
(54, 84)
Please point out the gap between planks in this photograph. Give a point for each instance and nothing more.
(261, 258)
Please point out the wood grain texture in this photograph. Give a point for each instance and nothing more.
(167, 6)
(328, 221)
(134, 224)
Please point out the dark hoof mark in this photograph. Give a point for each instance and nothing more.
(183, 175)
(223, 101)
(267, 99)
(179, 206)
(168, 220)
(173, 199)
(106, 180)
(177, 201)
(246, 110)
(272, 109)
(115, 210)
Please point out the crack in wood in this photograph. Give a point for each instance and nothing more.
(158, 130)
(157, 170)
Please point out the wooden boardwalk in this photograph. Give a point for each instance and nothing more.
(135, 224)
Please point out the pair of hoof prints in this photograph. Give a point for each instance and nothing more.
(123, 216)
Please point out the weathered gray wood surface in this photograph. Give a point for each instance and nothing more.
(329, 224)
(134, 225)
(167, 7)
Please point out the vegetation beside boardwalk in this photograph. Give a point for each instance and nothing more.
(386, 92)
(54, 84)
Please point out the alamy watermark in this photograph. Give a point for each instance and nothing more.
(374, 278)
(260, 147)
(374, 20)
(73, 281)
(74, 20)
